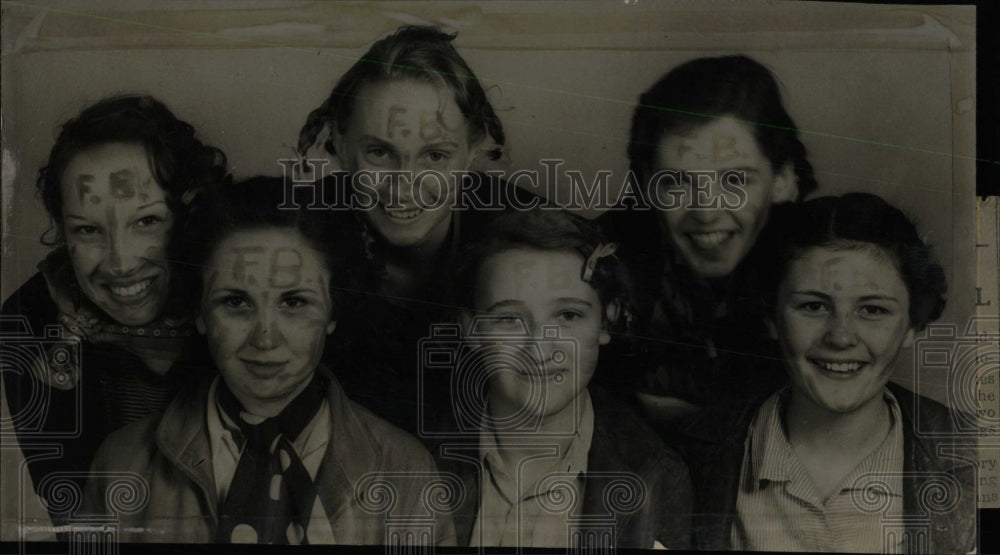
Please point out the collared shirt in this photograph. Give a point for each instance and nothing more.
(310, 445)
(778, 508)
(534, 515)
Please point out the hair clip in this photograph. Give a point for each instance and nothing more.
(602, 250)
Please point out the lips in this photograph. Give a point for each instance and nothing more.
(129, 291)
(401, 214)
(710, 239)
(263, 367)
(841, 367)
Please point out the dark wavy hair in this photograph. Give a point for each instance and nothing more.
(256, 203)
(412, 52)
(704, 89)
(548, 230)
(855, 221)
(179, 161)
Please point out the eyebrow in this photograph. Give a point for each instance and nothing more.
(300, 291)
(576, 300)
(75, 217)
(441, 144)
(504, 304)
(155, 202)
(864, 298)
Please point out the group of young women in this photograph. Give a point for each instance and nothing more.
(262, 368)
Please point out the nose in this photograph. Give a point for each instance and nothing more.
(123, 258)
(265, 335)
(840, 331)
(704, 201)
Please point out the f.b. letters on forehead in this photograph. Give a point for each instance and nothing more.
(431, 127)
(826, 274)
(83, 187)
(244, 258)
(284, 266)
(723, 148)
(393, 121)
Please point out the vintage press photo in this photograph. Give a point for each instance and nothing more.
(580, 275)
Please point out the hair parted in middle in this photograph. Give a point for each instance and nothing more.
(420, 53)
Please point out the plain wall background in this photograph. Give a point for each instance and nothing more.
(883, 94)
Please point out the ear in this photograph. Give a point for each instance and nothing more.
(611, 314)
(911, 333)
(199, 324)
(772, 329)
(786, 185)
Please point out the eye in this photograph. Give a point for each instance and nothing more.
(84, 230)
(813, 307)
(294, 302)
(570, 316)
(871, 310)
(377, 152)
(438, 156)
(236, 301)
(148, 221)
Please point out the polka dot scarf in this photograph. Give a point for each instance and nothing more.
(271, 498)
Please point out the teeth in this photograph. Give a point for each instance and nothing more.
(405, 214)
(709, 240)
(844, 367)
(131, 290)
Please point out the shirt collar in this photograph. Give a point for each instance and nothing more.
(574, 461)
(771, 453)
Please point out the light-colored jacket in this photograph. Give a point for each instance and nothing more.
(156, 477)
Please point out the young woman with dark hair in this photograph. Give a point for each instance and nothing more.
(117, 185)
(839, 459)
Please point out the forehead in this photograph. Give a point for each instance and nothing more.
(841, 270)
(722, 142)
(532, 276)
(268, 257)
(118, 168)
(407, 100)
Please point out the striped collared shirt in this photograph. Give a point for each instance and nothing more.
(778, 508)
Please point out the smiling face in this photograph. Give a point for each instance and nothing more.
(842, 317)
(266, 311)
(713, 241)
(117, 226)
(411, 126)
(526, 289)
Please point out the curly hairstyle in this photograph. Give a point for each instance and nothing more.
(412, 52)
(254, 204)
(549, 230)
(703, 89)
(179, 161)
(855, 221)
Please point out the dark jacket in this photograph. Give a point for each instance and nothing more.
(374, 351)
(170, 453)
(713, 446)
(622, 445)
(76, 420)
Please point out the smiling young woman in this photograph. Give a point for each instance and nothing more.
(406, 123)
(827, 461)
(116, 185)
